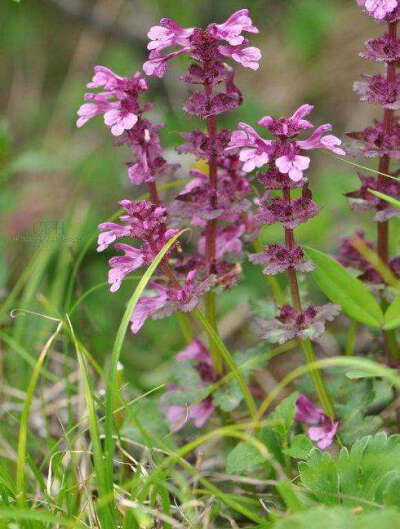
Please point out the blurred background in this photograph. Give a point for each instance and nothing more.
(59, 182)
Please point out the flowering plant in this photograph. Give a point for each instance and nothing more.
(239, 183)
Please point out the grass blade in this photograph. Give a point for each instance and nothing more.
(112, 391)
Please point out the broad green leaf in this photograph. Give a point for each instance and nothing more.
(345, 290)
(360, 477)
(340, 518)
(386, 198)
(300, 447)
(392, 315)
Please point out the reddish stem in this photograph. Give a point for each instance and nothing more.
(384, 162)
(211, 227)
(154, 193)
(290, 244)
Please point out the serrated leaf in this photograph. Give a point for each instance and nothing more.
(300, 447)
(345, 290)
(354, 478)
(392, 315)
(340, 518)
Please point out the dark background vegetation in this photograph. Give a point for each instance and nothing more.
(59, 182)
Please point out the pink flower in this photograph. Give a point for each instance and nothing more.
(147, 306)
(119, 121)
(288, 127)
(293, 165)
(122, 265)
(324, 430)
(113, 231)
(247, 57)
(254, 150)
(232, 28)
(378, 8)
(317, 140)
(168, 33)
(98, 105)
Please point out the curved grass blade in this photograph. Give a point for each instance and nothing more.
(386, 198)
(23, 428)
(345, 290)
(106, 514)
(226, 355)
(370, 368)
(112, 391)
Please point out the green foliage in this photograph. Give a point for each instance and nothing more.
(229, 395)
(300, 447)
(345, 290)
(245, 458)
(365, 476)
(339, 518)
(392, 315)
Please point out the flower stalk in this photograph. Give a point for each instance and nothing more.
(381, 140)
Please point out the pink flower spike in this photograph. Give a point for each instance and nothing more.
(293, 165)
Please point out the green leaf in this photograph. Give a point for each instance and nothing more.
(392, 315)
(244, 459)
(340, 518)
(361, 477)
(387, 198)
(300, 447)
(345, 290)
(228, 397)
(284, 415)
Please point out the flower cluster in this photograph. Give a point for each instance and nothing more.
(381, 9)
(323, 430)
(211, 45)
(216, 199)
(285, 156)
(285, 153)
(382, 139)
(119, 103)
